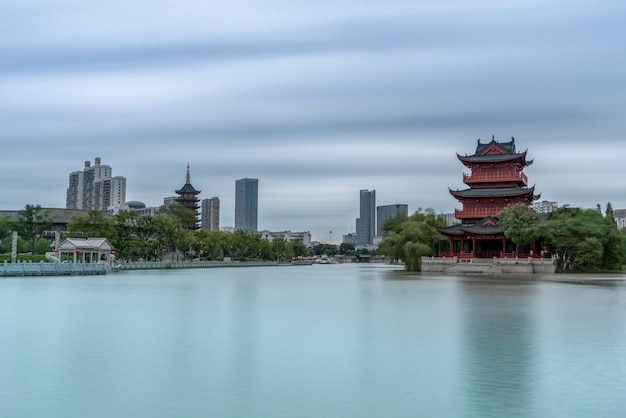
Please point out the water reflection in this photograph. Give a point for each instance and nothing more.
(498, 365)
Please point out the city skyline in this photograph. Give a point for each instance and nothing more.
(317, 101)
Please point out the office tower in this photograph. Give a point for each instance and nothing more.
(246, 204)
(366, 223)
(386, 212)
(95, 188)
(187, 196)
(211, 214)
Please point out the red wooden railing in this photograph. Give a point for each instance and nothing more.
(478, 177)
(475, 212)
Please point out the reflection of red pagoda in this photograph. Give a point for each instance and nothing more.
(187, 196)
(496, 180)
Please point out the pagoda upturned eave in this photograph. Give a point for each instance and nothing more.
(462, 230)
(519, 158)
(187, 189)
(494, 192)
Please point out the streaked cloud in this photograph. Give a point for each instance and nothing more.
(316, 99)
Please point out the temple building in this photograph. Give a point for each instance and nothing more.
(187, 196)
(496, 180)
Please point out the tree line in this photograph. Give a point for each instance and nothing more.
(155, 238)
(148, 238)
(579, 239)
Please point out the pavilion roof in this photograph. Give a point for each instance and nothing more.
(85, 244)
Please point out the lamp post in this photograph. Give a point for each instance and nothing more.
(330, 238)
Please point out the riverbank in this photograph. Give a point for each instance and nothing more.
(194, 264)
(27, 268)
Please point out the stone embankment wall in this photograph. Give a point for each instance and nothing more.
(488, 265)
(194, 264)
(42, 268)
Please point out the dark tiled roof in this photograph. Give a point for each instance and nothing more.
(495, 158)
(507, 153)
(508, 147)
(487, 225)
(452, 230)
(493, 191)
(187, 189)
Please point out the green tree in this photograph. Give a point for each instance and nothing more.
(520, 224)
(31, 222)
(279, 249)
(5, 234)
(613, 251)
(167, 234)
(186, 216)
(346, 248)
(94, 224)
(410, 238)
(582, 239)
(297, 249)
(325, 249)
(146, 233)
(124, 238)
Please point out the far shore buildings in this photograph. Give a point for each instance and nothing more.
(211, 214)
(95, 188)
(496, 180)
(288, 236)
(544, 207)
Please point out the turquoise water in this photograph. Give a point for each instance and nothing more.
(312, 341)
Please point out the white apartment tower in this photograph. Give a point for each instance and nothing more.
(211, 214)
(95, 188)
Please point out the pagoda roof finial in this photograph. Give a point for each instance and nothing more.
(188, 179)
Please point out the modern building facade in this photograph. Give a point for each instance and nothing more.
(288, 236)
(188, 197)
(246, 204)
(95, 188)
(386, 212)
(366, 222)
(211, 214)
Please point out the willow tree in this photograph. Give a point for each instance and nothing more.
(520, 224)
(409, 238)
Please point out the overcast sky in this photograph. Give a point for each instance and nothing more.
(316, 99)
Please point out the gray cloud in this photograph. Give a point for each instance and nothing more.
(317, 100)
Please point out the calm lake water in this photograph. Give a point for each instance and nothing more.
(312, 341)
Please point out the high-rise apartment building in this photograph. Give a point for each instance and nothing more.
(386, 212)
(211, 214)
(366, 222)
(95, 188)
(246, 204)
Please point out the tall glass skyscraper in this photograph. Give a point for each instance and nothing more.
(366, 223)
(246, 204)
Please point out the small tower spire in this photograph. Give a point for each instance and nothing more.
(188, 181)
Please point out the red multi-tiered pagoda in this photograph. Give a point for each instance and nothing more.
(495, 181)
